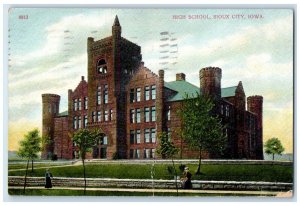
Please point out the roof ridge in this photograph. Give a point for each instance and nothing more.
(228, 87)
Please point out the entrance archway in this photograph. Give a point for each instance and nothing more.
(100, 151)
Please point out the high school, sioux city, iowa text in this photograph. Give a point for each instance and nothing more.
(218, 16)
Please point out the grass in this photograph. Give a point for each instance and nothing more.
(269, 173)
(35, 165)
(60, 192)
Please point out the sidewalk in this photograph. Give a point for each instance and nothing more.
(221, 192)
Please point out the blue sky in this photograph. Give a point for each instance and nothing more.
(48, 55)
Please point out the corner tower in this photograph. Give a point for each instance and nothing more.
(111, 63)
(255, 105)
(210, 81)
(50, 111)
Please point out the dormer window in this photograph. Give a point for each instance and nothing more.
(101, 66)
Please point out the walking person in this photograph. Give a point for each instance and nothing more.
(48, 177)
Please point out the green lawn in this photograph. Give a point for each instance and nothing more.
(35, 165)
(60, 192)
(269, 173)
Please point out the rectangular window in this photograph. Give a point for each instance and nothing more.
(99, 116)
(147, 93)
(152, 153)
(105, 94)
(138, 94)
(147, 153)
(131, 95)
(132, 118)
(227, 110)
(169, 113)
(75, 105)
(137, 154)
(147, 135)
(85, 120)
(85, 103)
(153, 114)
(138, 136)
(104, 140)
(75, 123)
(169, 134)
(221, 109)
(153, 92)
(98, 95)
(94, 116)
(111, 114)
(153, 135)
(79, 122)
(138, 115)
(79, 104)
(131, 136)
(106, 115)
(131, 154)
(147, 114)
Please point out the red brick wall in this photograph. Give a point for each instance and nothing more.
(63, 146)
(80, 92)
(142, 78)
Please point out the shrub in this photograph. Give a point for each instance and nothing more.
(170, 170)
(181, 167)
(54, 157)
(116, 156)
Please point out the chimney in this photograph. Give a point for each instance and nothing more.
(180, 77)
(82, 78)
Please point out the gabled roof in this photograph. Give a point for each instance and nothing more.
(65, 113)
(228, 91)
(183, 87)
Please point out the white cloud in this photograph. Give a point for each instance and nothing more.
(46, 82)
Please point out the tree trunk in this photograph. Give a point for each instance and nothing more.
(26, 176)
(84, 175)
(175, 176)
(32, 165)
(273, 156)
(199, 163)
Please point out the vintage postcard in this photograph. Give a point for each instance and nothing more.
(150, 102)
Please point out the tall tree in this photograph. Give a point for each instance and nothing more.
(273, 146)
(167, 150)
(201, 129)
(85, 141)
(29, 148)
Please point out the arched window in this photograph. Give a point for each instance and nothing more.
(101, 66)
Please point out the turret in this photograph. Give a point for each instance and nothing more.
(255, 105)
(116, 28)
(210, 81)
(50, 111)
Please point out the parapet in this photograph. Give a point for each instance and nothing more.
(50, 97)
(255, 97)
(211, 71)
